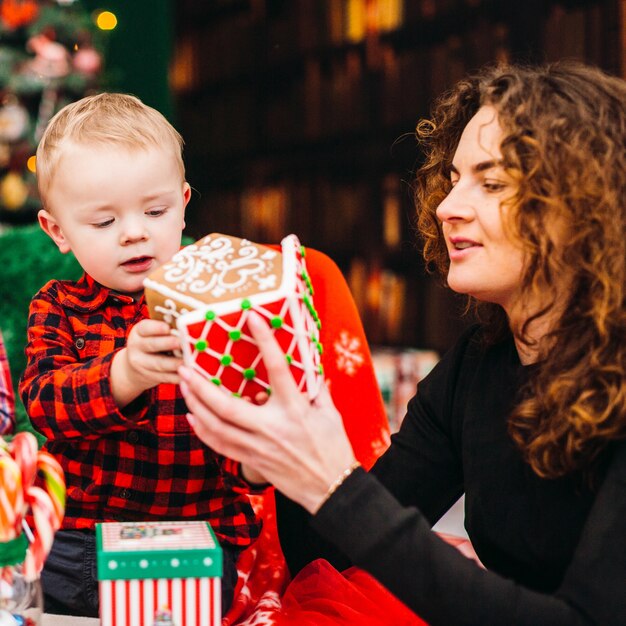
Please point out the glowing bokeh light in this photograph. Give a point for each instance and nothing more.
(31, 164)
(105, 20)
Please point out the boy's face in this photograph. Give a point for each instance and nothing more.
(120, 211)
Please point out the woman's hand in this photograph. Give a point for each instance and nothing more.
(299, 446)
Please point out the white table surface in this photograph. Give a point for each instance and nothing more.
(66, 620)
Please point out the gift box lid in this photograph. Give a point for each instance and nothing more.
(142, 550)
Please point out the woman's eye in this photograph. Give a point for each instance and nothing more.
(494, 186)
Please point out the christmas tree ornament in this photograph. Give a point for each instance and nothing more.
(17, 13)
(52, 59)
(13, 191)
(5, 154)
(87, 60)
(13, 120)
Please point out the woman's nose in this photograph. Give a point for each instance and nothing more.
(455, 206)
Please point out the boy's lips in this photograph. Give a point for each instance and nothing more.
(138, 264)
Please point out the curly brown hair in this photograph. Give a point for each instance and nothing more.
(564, 141)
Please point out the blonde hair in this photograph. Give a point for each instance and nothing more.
(564, 127)
(104, 119)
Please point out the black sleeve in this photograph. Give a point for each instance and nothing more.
(421, 467)
(299, 542)
(395, 544)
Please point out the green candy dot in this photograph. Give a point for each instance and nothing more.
(276, 322)
(236, 394)
(246, 304)
(249, 373)
(320, 369)
(201, 345)
(216, 381)
(289, 358)
(302, 251)
(210, 315)
(226, 359)
(235, 335)
(320, 348)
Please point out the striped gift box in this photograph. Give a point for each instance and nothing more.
(159, 574)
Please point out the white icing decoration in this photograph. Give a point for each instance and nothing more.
(169, 311)
(266, 282)
(216, 267)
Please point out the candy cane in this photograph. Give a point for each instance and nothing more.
(24, 451)
(46, 522)
(54, 483)
(20, 463)
(11, 498)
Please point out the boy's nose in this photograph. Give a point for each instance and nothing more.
(133, 232)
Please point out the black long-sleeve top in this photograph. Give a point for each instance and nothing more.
(555, 550)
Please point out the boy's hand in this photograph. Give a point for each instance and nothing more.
(145, 362)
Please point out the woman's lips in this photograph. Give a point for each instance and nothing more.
(462, 248)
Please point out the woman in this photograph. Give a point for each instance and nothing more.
(521, 206)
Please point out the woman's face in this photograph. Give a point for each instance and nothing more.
(484, 262)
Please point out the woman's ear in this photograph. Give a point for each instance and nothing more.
(51, 227)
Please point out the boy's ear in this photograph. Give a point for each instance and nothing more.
(186, 197)
(50, 226)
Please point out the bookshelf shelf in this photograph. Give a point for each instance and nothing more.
(298, 116)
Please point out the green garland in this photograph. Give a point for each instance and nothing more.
(28, 259)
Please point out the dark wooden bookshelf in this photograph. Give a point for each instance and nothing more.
(298, 116)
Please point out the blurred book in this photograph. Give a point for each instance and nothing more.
(399, 372)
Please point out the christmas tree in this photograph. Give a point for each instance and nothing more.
(50, 54)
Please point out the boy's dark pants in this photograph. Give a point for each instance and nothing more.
(70, 583)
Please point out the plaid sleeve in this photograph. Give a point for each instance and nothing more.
(7, 399)
(64, 397)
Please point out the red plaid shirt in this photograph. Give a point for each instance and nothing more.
(7, 399)
(139, 463)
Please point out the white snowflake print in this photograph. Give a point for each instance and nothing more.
(381, 444)
(349, 354)
(265, 611)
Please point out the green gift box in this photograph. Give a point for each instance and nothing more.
(159, 573)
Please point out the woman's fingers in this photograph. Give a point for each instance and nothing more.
(221, 436)
(280, 378)
(204, 399)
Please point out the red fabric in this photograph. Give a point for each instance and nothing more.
(321, 596)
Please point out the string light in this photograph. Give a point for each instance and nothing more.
(106, 20)
(31, 164)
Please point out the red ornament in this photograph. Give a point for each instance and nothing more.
(16, 13)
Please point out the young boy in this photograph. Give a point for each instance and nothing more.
(101, 381)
